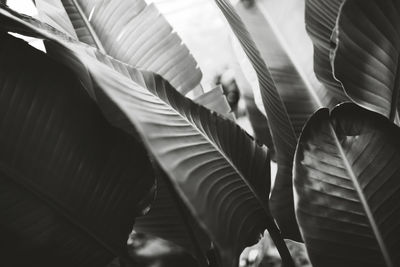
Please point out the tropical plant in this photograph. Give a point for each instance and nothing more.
(98, 138)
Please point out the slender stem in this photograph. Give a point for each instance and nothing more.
(280, 244)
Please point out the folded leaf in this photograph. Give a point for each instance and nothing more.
(346, 179)
(321, 18)
(70, 183)
(366, 57)
(281, 129)
(130, 31)
(221, 174)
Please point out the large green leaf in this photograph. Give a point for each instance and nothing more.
(282, 132)
(346, 179)
(321, 16)
(70, 183)
(130, 31)
(220, 173)
(366, 58)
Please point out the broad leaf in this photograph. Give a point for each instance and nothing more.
(130, 31)
(280, 126)
(346, 178)
(219, 171)
(70, 183)
(366, 58)
(168, 217)
(321, 18)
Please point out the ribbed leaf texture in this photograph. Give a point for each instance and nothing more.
(282, 132)
(221, 174)
(70, 183)
(130, 31)
(347, 188)
(169, 218)
(300, 98)
(366, 58)
(321, 16)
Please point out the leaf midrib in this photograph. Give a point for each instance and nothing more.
(89, 27)
(363, 200)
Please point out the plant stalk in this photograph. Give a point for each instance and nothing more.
(280, 244)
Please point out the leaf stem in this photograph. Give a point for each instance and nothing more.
(280, 244)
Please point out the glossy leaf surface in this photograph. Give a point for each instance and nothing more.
(347, 188)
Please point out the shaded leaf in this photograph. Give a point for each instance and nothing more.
(366, 57)
(169, 219)
(221, 174)
(70, 183)
(281, 129)
(346, 179)
(321, 18)
(130, 31)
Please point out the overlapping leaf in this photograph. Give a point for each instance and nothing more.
(70, 183)
(321, 18)
(219, 171)
(281, 129)
(348, 189)
(294, 87)
(366, 58)
(130, 31)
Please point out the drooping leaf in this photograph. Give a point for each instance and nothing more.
(168, 217)
(131, 31)
(70, 183)
(221, 174)
(281, 129)
(346, 179)
(321, 18)
(366, 57)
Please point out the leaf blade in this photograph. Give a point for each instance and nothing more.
(342, 191)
